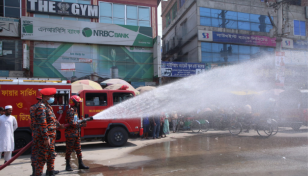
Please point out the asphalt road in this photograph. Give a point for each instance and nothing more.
(210, 153)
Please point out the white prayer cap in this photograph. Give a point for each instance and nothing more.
(8, 107)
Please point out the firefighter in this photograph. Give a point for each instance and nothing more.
(72, 133)
(44, 133)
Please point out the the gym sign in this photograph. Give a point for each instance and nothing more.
(62, 8)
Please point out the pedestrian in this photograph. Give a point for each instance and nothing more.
(44, 133)
(146, 127)
(72, 133)
(8, 125)
(162, 122)
(156, 122)
(166, 124)
(1, 111)
(174, 121)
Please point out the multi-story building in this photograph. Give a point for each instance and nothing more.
(224, 32)
(75, 39)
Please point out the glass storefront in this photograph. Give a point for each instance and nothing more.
(222, 52)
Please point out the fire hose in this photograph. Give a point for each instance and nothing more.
(22, 150)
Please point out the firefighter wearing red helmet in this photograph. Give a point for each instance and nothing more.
(72, 133)
(44, 132)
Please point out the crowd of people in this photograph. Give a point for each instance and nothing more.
(159, 126)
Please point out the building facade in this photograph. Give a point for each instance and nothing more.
(75, 39)
(224, 32)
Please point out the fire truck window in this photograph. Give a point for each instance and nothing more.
(120, 97)
(61, 99)
(96, 99)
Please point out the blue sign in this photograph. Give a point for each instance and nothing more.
(244, 39)
(300, 44)
(4, 73)
(181, 69)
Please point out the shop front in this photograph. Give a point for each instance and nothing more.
(72, 50)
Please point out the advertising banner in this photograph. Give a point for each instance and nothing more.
(157, 57)
(244, 39)
(9, 27)
(85, 32)
(181, 69)
(71, 61)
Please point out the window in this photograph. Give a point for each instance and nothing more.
(124, 14)
(120, 97)
(220, 52)
(168, 19)
(234, 20)
(174, 10)
(11, 60)
(66, 17)
(96, 99)
(299, 28)
(11, 8)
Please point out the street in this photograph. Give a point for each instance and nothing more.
(185, 153)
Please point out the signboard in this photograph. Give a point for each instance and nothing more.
(287, 43)
(9, 27)
(205, 35)
(181, 69)
(85, 32)
(306, 9)
(62, 8)
(244, 39)
(301, 44)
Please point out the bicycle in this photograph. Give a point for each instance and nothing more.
(263, 127)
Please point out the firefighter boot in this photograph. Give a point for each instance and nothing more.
(50, 173)
(33, 170)
(54, 171)
(81, 165)
(68, 166)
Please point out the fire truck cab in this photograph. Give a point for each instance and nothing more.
(21, 93)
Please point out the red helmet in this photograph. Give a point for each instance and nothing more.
(75, 99)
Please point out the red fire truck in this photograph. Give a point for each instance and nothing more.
(21, 93)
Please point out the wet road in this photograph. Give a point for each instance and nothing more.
(216, 154)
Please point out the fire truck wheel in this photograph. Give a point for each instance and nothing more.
(21, 140)
(117, 137)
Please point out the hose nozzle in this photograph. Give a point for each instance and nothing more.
(85, 120)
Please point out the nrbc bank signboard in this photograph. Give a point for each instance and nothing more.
(181, 69)
(43, 29)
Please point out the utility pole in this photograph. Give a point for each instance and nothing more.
(279, 26)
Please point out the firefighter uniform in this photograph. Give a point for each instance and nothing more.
(44, 128)
(72, 134)
(34, 147)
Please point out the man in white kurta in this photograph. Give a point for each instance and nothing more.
(8, 125)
